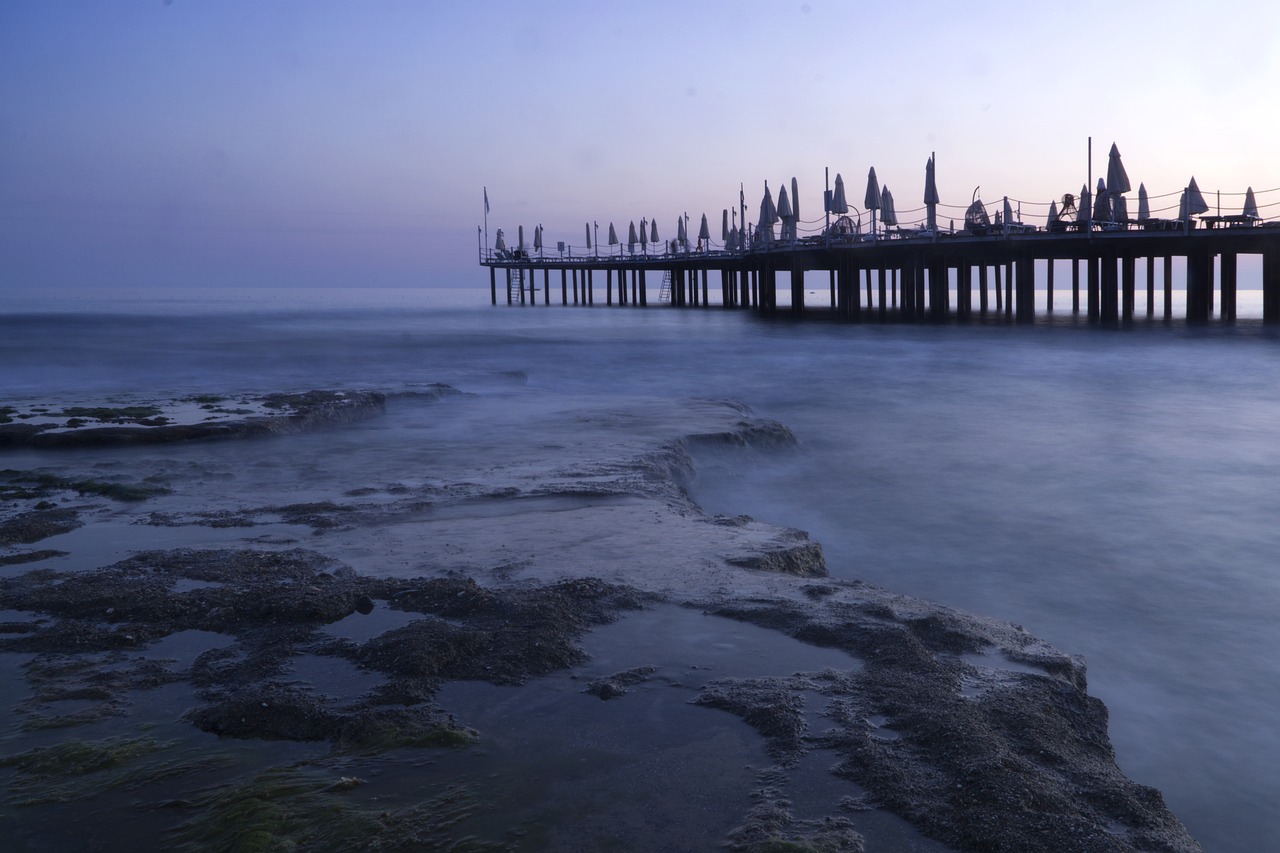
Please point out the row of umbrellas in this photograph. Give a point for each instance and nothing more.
(1108, 204)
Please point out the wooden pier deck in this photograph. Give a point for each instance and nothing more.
(912, 278)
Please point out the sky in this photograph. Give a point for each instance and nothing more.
(267, 143)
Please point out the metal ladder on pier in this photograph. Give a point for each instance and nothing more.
(665, 295)
(516, 285)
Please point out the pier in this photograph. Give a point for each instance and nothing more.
(916, 277)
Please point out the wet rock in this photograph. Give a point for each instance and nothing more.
(617, 684)
(28, 527)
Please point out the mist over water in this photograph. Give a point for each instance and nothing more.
(1113, 492)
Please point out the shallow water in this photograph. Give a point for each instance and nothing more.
(1113, 492)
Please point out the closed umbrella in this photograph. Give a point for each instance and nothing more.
(768, 213)
(682, 236)
(1250, 205)
(795, 199)
(520, 245)
(784, 213)
(1195, 200)
(871, 201)
(1086, 205)
(1008, 213)
(1053, 215)
(704, 233)
(653, 231)
(644, 236)
(724, 228)
(1120, 209)
(613, 236)
(588, 226)
(1101, 203)
(838, 203)
(888, 216)
(631, 238)
(930, 195)
(500, 244)
(1117, 180)
(537, 238)
(1144, 205)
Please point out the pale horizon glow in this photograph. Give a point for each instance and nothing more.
(347, 144)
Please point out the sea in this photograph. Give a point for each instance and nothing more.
(1114, 491)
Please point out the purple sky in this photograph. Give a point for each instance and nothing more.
(264, 143)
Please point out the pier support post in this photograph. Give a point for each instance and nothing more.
(939, 298)
(507, 270)
(999, 290)
(1168, 288)
(1109, 308)
(1075, 286)
(1026, 297)
(591, 289)
(1048, 283)
(1271, 283)
(574, 275)
(608, 287)
(918, 273)
(909, 292)
(564, 288)
(1128, 274)
(1197, 298)
(983, 304)
(1008, 290)
(1227, 271)
(546, 287)
(644, 290)
(964, 291)
(704, 288)
(1092, 263)
(493, 286)
(1199, 284)
(882, 292)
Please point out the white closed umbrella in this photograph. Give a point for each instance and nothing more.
(1250, 205)
(784, 213)
(1144, 205)
(682, 236)
(500, 244)
(537, 238)
(838, 202)
(613, 235)
(1195, 199)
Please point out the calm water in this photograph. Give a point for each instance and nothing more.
(1113, 492)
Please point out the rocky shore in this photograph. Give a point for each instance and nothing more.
(978, 734)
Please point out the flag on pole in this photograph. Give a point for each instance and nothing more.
(486, 200)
